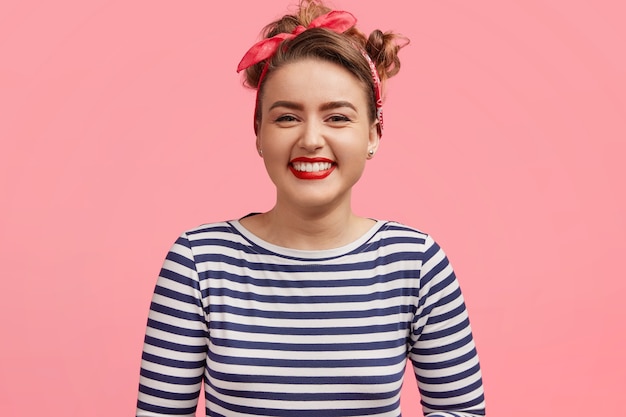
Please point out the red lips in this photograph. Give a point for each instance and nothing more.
(311, 175)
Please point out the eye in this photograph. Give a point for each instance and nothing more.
(338, 118)
(286, 118)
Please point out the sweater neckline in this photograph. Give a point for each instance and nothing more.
(267, 247)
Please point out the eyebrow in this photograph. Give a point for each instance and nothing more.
(325, 106)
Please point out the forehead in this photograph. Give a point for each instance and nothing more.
(313, 79)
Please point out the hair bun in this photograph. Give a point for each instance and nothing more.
(383, 49)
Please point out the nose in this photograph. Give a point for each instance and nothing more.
(311, 138)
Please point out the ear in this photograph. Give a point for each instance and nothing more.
(373, 140)
(259, 148)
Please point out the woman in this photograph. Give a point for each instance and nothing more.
(309, 309)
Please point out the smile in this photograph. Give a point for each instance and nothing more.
(311, 168)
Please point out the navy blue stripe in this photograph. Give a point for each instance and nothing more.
(334, 412)
(454, 294)
(392, 226)
(307, 363)
(447, 315)
(175, 295)
(169, 395)
(309, 347)
(442, 303)
(159, 308)
(309, 331)
(312, 315)
(448, 363)
(172, 362)
(310, 396)
(242, 262)
(165, 410)
(435, 271)
(176, 277)
(453, 393)
(296, 379)
(450, 378)
(221, 228)
(457, 344)
(447, 331)
(177, 380)
(316, 299)
(283, 280)
(177, 347)
(470, 406)
(181, 331)
(180, 259)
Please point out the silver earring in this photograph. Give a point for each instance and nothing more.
(260, 152)
(370, 152)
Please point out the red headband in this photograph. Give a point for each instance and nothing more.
(337, 21)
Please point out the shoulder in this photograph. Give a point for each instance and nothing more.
(395, 230)
(221, 233)
(214, 228)
(409, 238)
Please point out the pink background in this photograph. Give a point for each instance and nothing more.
(124, 123)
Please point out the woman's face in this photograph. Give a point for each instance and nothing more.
(315, 133)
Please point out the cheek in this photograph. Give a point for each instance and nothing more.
(274, 158)
(354, 156)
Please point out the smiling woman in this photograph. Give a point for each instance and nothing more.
(308, 309)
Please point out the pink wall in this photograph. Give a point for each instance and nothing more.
(124, 123)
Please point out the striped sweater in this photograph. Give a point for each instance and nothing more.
(271, 331)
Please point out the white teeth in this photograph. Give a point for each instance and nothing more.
(311, 166)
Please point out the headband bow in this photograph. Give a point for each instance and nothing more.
(336, 20)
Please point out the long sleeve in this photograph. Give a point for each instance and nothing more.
(443, 352)
(174, 352)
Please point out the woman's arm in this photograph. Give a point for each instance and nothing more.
(174, 351)
(443, 352)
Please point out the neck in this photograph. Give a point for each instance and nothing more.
(309, 229)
